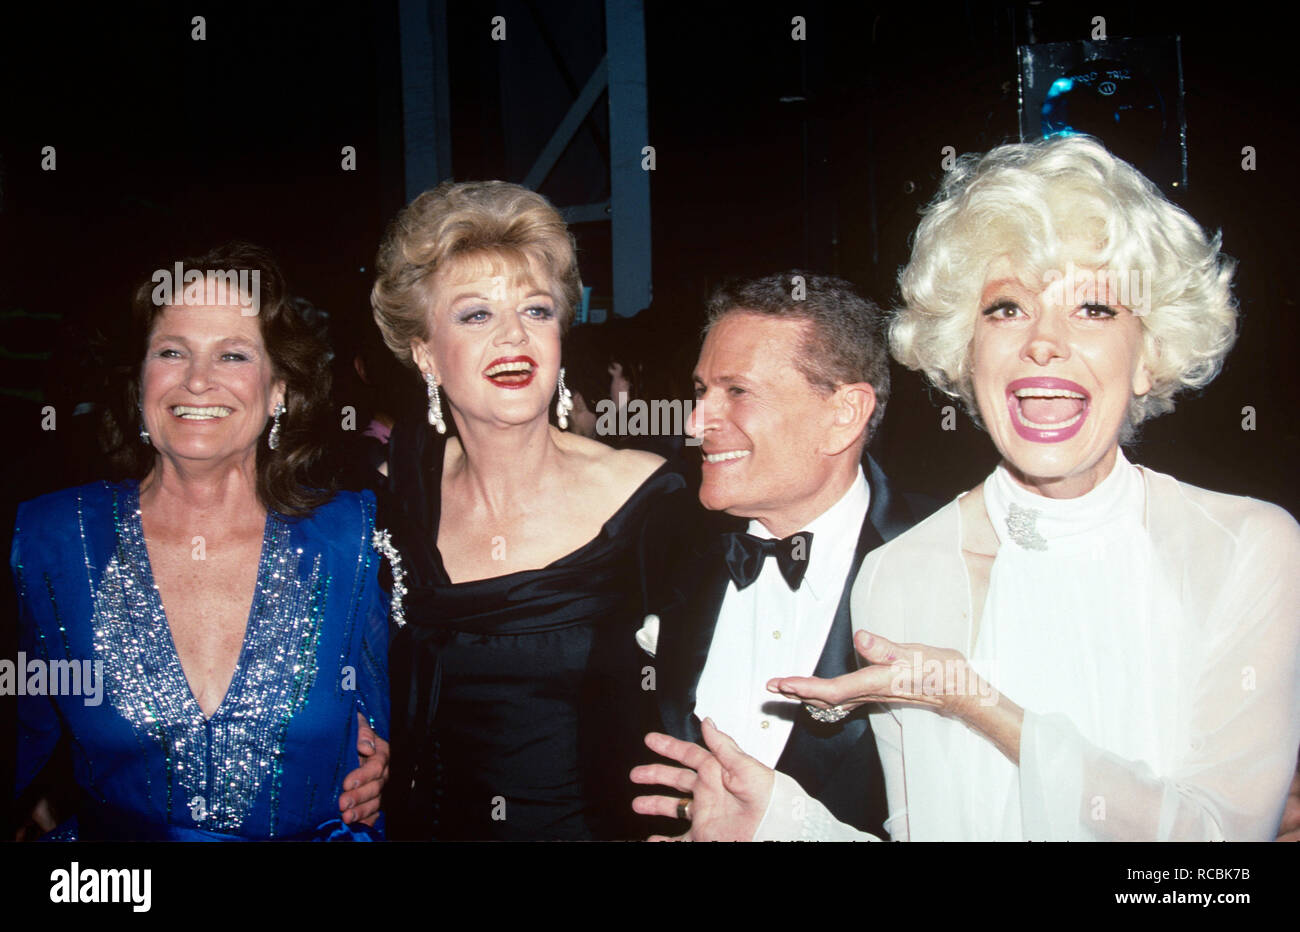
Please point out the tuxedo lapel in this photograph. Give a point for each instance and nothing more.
(888, 512)
(838, 656)
(686, 632)
(835, 763)
(838, 763)
(685, 637)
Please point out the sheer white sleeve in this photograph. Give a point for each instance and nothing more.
(793, 815)
(1239, 725)
(889, 742)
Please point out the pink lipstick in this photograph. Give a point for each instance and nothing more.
(1047, 410)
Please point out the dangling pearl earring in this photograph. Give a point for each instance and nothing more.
(273, 441)
(435, 404)
(564, 403)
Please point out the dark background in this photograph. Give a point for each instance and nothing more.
(166, 146)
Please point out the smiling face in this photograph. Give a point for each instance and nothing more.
(1053, 378)
(207, 384)
(494, 341)
(768, 438)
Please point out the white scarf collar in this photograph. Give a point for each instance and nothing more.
(1070, 621)
(1038, 524)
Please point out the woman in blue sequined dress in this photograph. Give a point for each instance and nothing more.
(210, 637)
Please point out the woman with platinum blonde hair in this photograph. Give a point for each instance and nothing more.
(1079, 648)
(522, 554)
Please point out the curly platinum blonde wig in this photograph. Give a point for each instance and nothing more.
(493, 225)
(1025, 201)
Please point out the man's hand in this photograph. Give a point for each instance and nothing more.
(363, 786)
(729, 789)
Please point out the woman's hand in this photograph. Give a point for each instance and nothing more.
(729, 790)
(362, 787)
(912, 674)
(40, 821)
(918, 675)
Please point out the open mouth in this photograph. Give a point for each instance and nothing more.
(511, 372)
(725, 456)
(196, 413)
(1047, 410)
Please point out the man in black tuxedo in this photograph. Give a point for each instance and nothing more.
(791, 382)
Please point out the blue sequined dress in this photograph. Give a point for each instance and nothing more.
(270, 762)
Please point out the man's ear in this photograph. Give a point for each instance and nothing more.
(851, 408)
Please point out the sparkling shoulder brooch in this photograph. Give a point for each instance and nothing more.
(382, 541)
(1021, 525)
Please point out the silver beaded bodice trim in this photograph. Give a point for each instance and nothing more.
(221, 765)
(382, 541)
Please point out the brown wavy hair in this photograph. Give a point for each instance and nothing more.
(291, 480)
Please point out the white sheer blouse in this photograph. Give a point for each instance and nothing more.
(1160, 676)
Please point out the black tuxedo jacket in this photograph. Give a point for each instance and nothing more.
(837, 764)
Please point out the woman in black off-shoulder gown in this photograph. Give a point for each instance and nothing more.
(520, 696)
(518, 700)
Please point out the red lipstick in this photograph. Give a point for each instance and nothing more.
(511, 371)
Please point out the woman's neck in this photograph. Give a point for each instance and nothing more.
(504, 468)
(1061, 487)
(206, 490)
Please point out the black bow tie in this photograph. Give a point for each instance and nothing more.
(746, 553)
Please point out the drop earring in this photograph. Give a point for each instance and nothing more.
(435, 404)
(564, 403)
(144, 431)
(273, 441)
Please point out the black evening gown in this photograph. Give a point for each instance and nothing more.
(520, 701)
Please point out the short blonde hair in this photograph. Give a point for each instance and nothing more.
(476, 220)
(1023, 201)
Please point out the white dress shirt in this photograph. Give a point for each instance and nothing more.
(767, 630)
